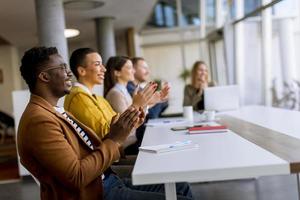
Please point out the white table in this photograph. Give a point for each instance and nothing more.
(220, 156)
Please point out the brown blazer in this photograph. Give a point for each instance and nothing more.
(51, 149)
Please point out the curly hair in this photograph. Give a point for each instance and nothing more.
(32, 61)
(78, 58)
(113, 63)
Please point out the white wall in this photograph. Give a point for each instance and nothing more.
(9, 64)
(162, 50)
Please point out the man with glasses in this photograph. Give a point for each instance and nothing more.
(66, 156)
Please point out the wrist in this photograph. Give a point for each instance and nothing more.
(119, 144)
(134, 105)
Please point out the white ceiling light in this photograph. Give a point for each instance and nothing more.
(69, 33)
(82, 4)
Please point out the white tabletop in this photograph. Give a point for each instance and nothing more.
(220, 156)
(281, 120)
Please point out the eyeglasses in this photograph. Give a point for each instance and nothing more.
(63, 66)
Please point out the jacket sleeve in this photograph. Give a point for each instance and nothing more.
(53, 151)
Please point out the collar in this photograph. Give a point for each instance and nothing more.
(121, 87)
(123, 90)
(60, 110)
(86, 89)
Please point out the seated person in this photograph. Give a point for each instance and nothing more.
(66, 156)
(194, 93)
(63, 154)
(119, 72)
(93, 110)
(140, 76)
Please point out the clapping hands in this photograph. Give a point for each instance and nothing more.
(141, 98)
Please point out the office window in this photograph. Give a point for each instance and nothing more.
(169, 15)
(252, 5)
(158, 17)
(190, 12)
(164, 14)
(210, 12)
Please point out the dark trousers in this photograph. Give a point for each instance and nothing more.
(122, 189)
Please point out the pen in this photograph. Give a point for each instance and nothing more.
(179, 144)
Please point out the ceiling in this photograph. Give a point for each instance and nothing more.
(18, 23)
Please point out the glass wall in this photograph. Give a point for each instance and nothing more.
(285, 62)
(164, 14)
(258, 53)
(190, 12)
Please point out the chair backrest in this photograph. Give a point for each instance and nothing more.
(35, 179)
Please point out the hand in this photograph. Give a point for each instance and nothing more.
(142, 117)
(201, 84)
(160, 96)
(142, 97)
(115, 118)
(164, 93)
(127, 121)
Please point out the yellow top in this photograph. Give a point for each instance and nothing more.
(93, 111)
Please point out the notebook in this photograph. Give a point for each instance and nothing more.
(216, 128)
(177, 146)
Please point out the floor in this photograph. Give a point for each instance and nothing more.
(264, 188)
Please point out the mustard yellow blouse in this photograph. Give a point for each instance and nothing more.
(93, 111)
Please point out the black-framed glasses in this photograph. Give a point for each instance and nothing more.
(63, 66)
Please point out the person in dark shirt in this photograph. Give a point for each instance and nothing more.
(141, 75)
(194, 92)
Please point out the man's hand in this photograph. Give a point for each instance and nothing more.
(164, 93)
(127, 121)
(160, 96)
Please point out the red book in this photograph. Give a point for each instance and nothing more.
(208, 129)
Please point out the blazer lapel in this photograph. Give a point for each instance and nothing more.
(91, 135)
(43, 103)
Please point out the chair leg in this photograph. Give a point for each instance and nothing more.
(2, 133)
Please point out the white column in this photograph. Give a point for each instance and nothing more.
(204, 54)
(266, 24)
(287, 49)
(181, 32)
(202, 18)
(51, 25)
(219, 14)
(239, 50)
(105, 37)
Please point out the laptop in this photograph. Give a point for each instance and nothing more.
(221, 98)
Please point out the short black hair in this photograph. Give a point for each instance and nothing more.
(32, 61)
(78, 58)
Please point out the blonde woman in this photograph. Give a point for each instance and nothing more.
(194, 92)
